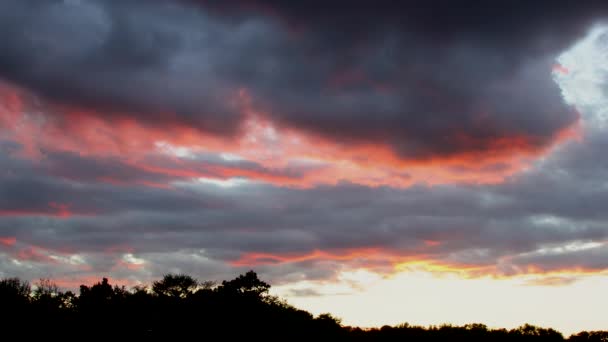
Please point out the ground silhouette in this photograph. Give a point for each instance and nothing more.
(179, 306)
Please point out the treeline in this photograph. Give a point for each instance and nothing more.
(179, 306)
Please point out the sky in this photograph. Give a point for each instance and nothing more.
(421, 161)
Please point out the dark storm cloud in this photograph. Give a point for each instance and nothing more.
(155, 60)
(429, 80)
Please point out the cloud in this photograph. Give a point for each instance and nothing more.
(428, 88)
(306, 292)
(121, 150)
(295, 233)
(190, 137)
(552, 281)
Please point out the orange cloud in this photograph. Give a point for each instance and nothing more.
(552, 281)
(36, 254)
(58, 210)
(275, 149)
(420, 259)
(364, 254)
(558, 68)
(494, 270)
(63, 210)
(8, 241)
(122, 264)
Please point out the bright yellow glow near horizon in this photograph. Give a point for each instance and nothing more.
(421, 298)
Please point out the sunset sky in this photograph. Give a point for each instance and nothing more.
(385, 161)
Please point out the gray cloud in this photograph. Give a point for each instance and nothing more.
(430, 86)
(196, 224)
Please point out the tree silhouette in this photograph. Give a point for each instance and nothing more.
(45, 288)
(179, 307)
(327, 324)
(14, 294)
(527, 331)
(248, 284)
(591, 336)
(175, 285)
(14, 288)
(98, 293)
(48, 297)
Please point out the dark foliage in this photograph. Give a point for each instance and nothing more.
(179, 306)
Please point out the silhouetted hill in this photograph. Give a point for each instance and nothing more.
(178, 306)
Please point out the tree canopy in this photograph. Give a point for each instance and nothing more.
(175, 285)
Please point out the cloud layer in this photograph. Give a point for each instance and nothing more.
(201, 137)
